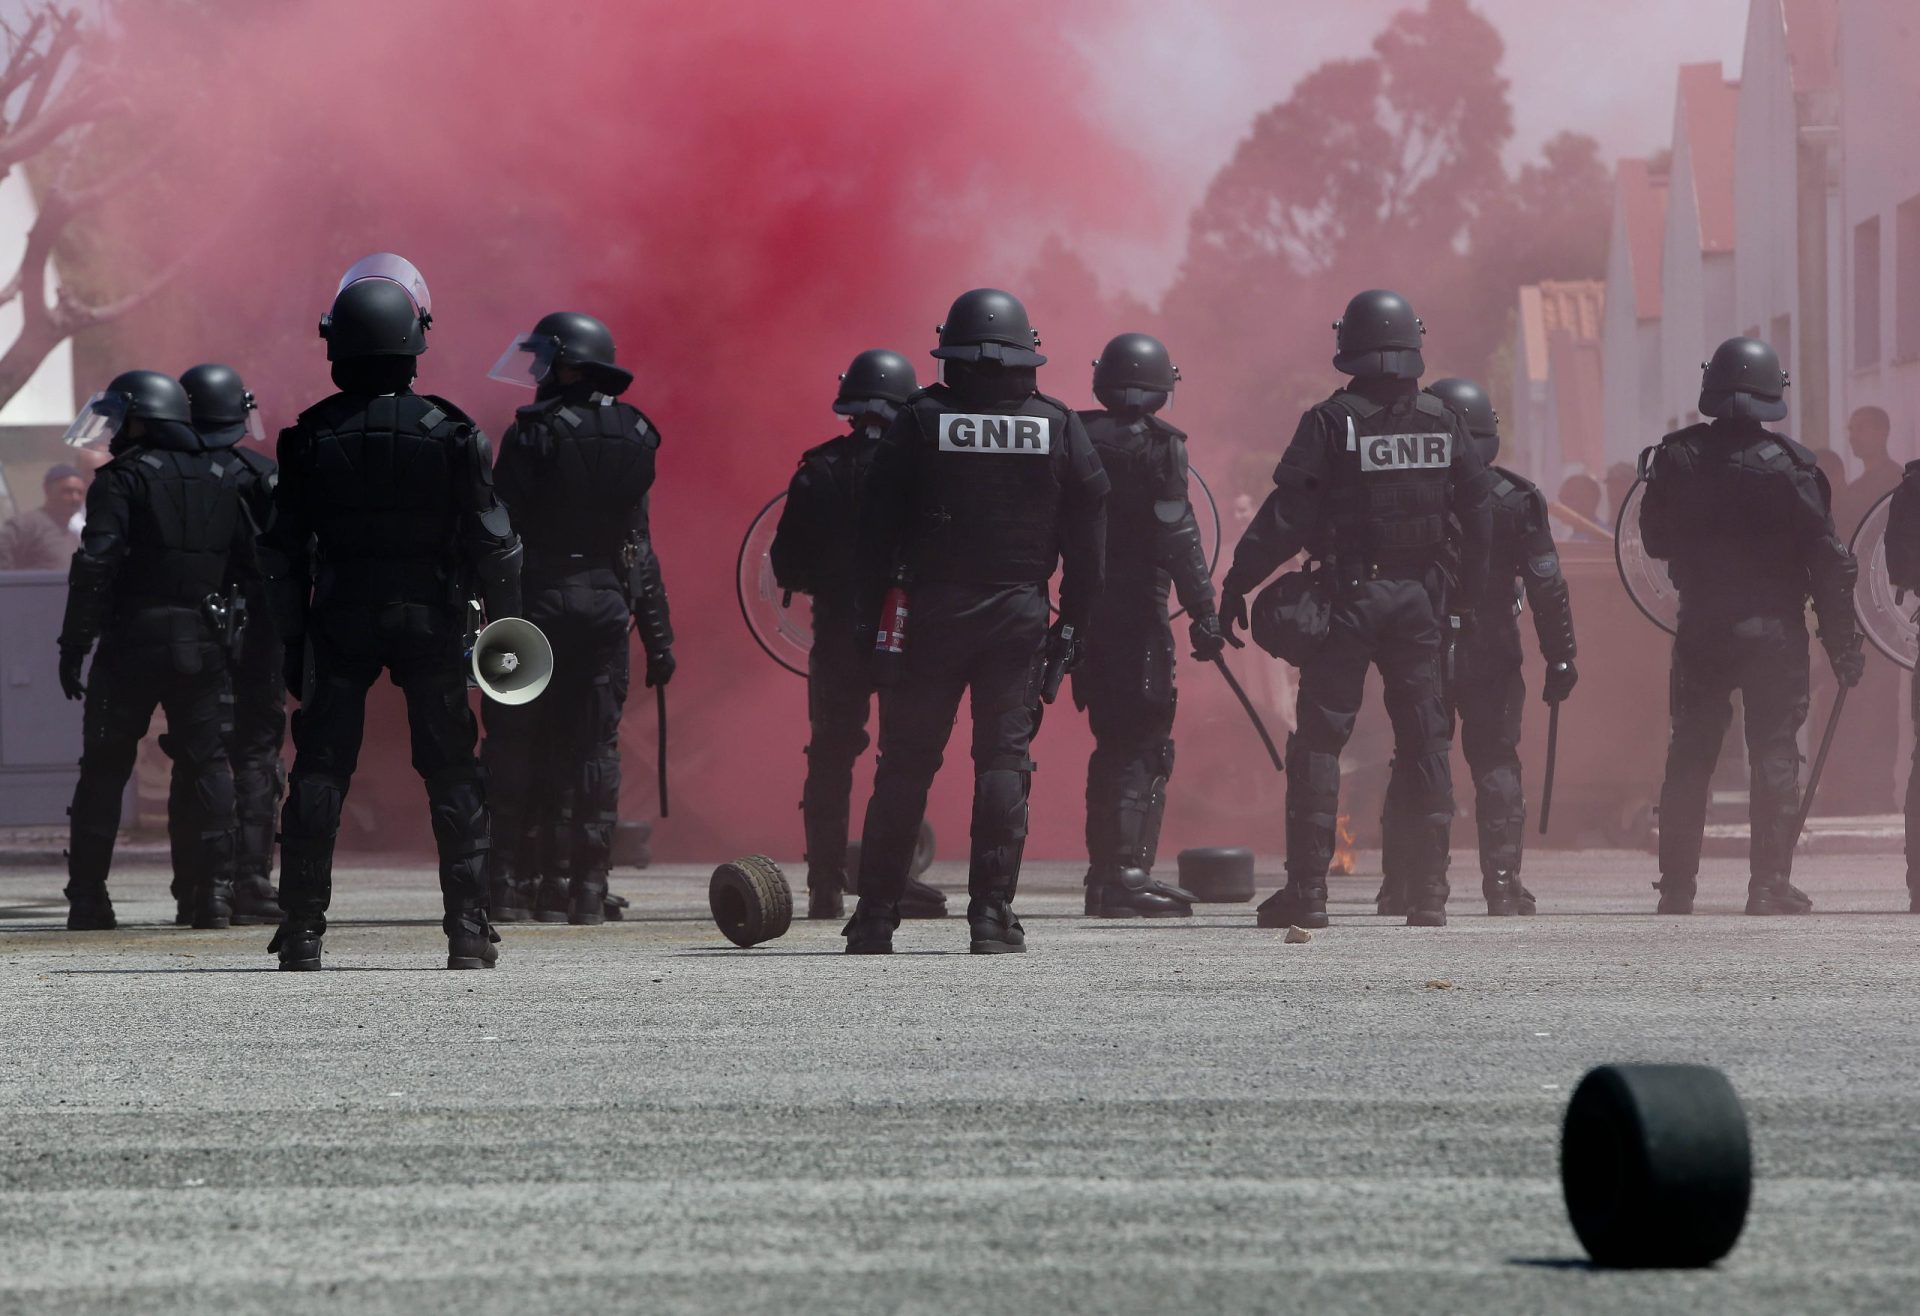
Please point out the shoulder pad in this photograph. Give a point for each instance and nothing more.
(536, 411)
(1519, 482)
(1352, 404)
(1429, 404)
(1802, 455)
(1166, 428)
(1686, 435)
(1053, 402)
(453, 413)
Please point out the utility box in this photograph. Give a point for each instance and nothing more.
(39, 728)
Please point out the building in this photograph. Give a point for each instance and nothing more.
(1632, 416)
(1879, 105)
(1557, 394)
(1786, 183)
(33, 419)
(1697, 258)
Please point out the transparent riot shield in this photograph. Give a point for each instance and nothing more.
(1646, 579)
(780, 623)
(1886, 617)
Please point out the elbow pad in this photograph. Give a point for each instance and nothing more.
(89, 600)
(499, 572)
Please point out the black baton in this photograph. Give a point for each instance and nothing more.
(1553, 754)
(660, 705)
(1253, 714)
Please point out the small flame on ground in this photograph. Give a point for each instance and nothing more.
(1343, 847)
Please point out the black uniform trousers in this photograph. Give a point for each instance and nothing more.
(420, 645)
(1126, 687)
(1395, 626)
(1913, 797)
(986, 641)
(839, 701)
(257, 701)
(1765, 659)
(553, 765)
(126, 683)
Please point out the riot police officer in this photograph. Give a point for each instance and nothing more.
(1489, 695)
(224, 415)
(814, 553)
(1371, 486)
(1741, 515)
(1903, 570)
(574, 472)
(1126, 684)
(385, 524)
(979, 488)
(167, 538)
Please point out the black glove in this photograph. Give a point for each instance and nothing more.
(72, 659)
(293, 667)
(660, 668)
(1561, 678)
(1849, 662)
(1208, 640)
(1233, 612)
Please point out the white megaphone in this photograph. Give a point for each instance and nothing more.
(512, 661)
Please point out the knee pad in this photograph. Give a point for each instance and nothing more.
(213, 798)
(1000, 804)
(458, 802)
(312, 811)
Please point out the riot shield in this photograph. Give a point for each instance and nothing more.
(780, 623)
(1887, 619)
(1646, 579)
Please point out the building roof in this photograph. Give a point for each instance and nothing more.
(1812, 43)
(1641, 193)
(1708, 109)
(1559, 346)
(1570, 309)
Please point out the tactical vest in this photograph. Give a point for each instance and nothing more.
(380, 478)
(595, 464)
(1733, 497)
(1392, 496)
(823, 531)
(1138, 458)
(184, 517)
(987, 489)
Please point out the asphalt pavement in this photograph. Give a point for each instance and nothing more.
(1167, 1116)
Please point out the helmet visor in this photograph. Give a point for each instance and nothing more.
(527, 361)
(394, 269)
(103, 417)
(256, 428)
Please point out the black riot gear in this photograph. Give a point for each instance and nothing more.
(1126, 684)
(979, 488)
(385, 523)
(991, 326)
(167, 536)
(564, 338)
(1741, 517)
(1903, 572)
(1470, 403)
(1743, 381)
(575, 472)
(1134, 372)
(876, 375)
(1489, 695)
(222, 408)
(1378, 334)
(1383, 489)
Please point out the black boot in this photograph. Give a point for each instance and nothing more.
(995, 929)
(1392, 900)
(298, 941)
(509, 899)
(1776, 895)
(1502, 890)
(1427, 902)
(470, 940)
(1676, 895)
(213, 904)
(826, 901)
(1298, 904)
(1132, 893)
(918, 900)
(870, 930)
(554, 901)
(616, 907)
(255, 902)
(89, 909)
(588, 906)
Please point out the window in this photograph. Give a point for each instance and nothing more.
(1906, 287)
(1866, 293)
(1781, 340)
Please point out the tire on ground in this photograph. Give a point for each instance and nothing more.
(1218, 875)
(1655, 1165)
(922, 858)
(750, 900)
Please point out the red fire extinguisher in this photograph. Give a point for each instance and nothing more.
(890, 637)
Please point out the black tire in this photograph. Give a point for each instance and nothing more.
(1218, 875)
(750, 900)
(1656, 1165)
(922, 858)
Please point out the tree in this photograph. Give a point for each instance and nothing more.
(59, 112)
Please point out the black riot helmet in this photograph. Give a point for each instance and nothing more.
(222, 408)
(989, 325)
(877, 382)
(1470, 403)
(563, 338)
(1134, 372)
(133, 395)
(382, 308)
(1378, 334)
(1743, 381)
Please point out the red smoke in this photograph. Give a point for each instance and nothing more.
(747, 194)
